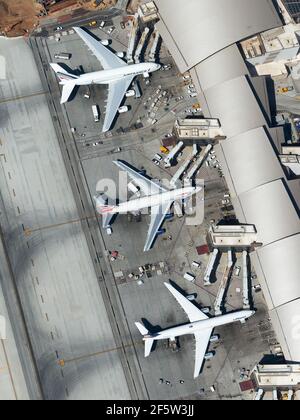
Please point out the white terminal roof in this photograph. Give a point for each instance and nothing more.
(270, 208)
(246, 151)
(202, 37)
(223, 105)
(279, 293)
(233, 236)
(232, 67)
(200, 28)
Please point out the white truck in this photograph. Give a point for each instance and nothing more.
(190, 277)
(96, 113)
(123, 109)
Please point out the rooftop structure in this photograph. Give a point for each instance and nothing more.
(282, 376)
(233, 236)
(203, 38)
(148, 12)
(198, 129)
(293, 8)
(273, 50)
(291, 158)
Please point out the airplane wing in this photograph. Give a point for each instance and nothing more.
(158, 214)
(146, 185)
(107, 59)
(194, 314)
(202, 340)
(116, 93)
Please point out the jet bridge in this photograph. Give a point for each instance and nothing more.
(184, 167)
(223, 285)
(172, 155)
(198, 163)
(246, 301)
(210, 267)
(132, 39)
(153, 51)
(141, 45)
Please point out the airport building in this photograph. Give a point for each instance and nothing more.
(204, 39)
(291, 158)
(199, 129)
(148, 12)
(293, 8)
(239, 237)
(283, 377)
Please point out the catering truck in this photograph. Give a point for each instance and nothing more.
(96, 113)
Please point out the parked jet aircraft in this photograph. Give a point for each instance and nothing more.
(116, 74)
(158, 198)
(201, 326)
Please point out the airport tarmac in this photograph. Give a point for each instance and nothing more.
(67, 311)
(58, 287)
(12, 380)
(138, 147)
(152, 301)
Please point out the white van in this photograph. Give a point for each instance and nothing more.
(209, 356)
(130, 93)
(123, 109)
(190, 277)
(96, 113)
(109, 231)
(196, 264)
(237, 271)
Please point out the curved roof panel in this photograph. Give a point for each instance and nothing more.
(194, 21)
(252, 160)
(229, 60)
(284, 255)
(286, 322)
(237, 112)
(271, 210)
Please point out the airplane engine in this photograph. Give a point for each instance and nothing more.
(146, 75)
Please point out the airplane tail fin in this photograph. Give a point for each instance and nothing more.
(148, 340)
(103, 209)
(67, 79)
(63, 75)
(142, 329)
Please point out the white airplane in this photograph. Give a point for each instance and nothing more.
(201, 326)
(157, 197)
(116, 74)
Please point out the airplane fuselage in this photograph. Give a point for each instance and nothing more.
(108, 76)
(146, 202)
(208, 324)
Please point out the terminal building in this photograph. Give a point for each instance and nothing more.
(239, 237)
(147, 12)
(204, 39)
(198, 129)
(293, 8)
(290, 158)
